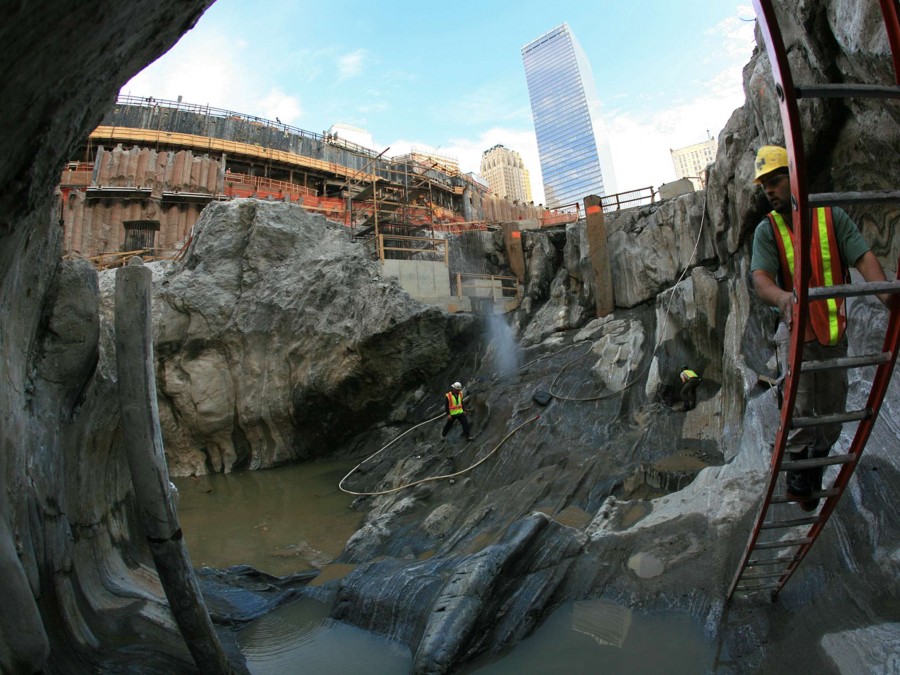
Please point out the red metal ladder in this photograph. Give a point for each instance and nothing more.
(768, 563)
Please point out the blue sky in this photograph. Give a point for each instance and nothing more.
(449, 76)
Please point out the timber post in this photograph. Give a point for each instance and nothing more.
(149, 473)
(604, 299)
(512, 239)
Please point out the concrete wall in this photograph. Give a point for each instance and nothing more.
(420, 278)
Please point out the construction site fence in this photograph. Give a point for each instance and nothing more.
(401, 247)
(203, 120)
(210, 112)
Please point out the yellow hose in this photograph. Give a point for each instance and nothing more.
(432, 478)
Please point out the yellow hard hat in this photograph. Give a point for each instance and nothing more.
(768, 159)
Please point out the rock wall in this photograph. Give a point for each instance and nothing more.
(70, 554)
(278, 337)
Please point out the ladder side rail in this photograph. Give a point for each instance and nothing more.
(890, 10)
(876, 397)
(802, 223)
(802, 216)
(783, 82)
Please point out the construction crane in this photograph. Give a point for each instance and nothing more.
(768, 563)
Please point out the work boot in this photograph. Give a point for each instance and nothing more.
(797, 483)
(799, 486)
(443, 439)
(815, 485)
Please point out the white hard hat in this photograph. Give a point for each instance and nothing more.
(456, 385)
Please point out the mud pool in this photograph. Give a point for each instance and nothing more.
(279, 521)
(294, 518)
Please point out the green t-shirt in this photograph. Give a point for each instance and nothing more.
(765, 250)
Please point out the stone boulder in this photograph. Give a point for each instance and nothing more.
(278, 338)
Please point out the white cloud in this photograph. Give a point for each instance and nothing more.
(735, 33)
(351, 64)
(211, 68)
(277, 104)
(640, 144)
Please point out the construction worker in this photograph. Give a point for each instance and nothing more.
(455, 410)
(836, 244)
(689, 383)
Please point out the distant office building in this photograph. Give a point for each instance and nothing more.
(505, 173)
(692, 160)
(572, 142)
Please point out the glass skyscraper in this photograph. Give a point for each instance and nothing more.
(565, 106)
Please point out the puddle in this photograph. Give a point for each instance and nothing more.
(301, 638)
(598, 636)
(635, 512)
(646, 565)
(280, 521)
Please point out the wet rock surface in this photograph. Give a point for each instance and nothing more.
(278, 336)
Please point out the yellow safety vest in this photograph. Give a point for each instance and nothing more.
(455, 402)
(828, 317)
(688, 375)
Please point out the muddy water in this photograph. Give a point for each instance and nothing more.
(279, 521)
(301, 638)
(294, 518)
(593, 636)
(596, 636)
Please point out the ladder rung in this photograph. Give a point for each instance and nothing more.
(846, 362)
(830, 492)
(756, 562)
(775, 524)
(783, 544)
(882, 197)
(851, 290)
(847, 90)
(816, 462)
(751, 589)
(764, 575)
(837, 418)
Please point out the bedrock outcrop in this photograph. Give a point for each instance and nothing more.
(278, 337)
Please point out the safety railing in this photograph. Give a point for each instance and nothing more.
(427, 248)
(265, 186)
(461, 227)
(629, 199)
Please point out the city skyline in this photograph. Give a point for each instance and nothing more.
(506, 173)
(451, 78)
(572, 145)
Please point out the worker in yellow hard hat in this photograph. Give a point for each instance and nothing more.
(836, 244)
(690, 380)
(769, 159)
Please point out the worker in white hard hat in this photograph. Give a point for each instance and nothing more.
(836, 245)
(455, 410)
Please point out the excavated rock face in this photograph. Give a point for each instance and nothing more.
(254, 372)
(278, 337)
(65, 533)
